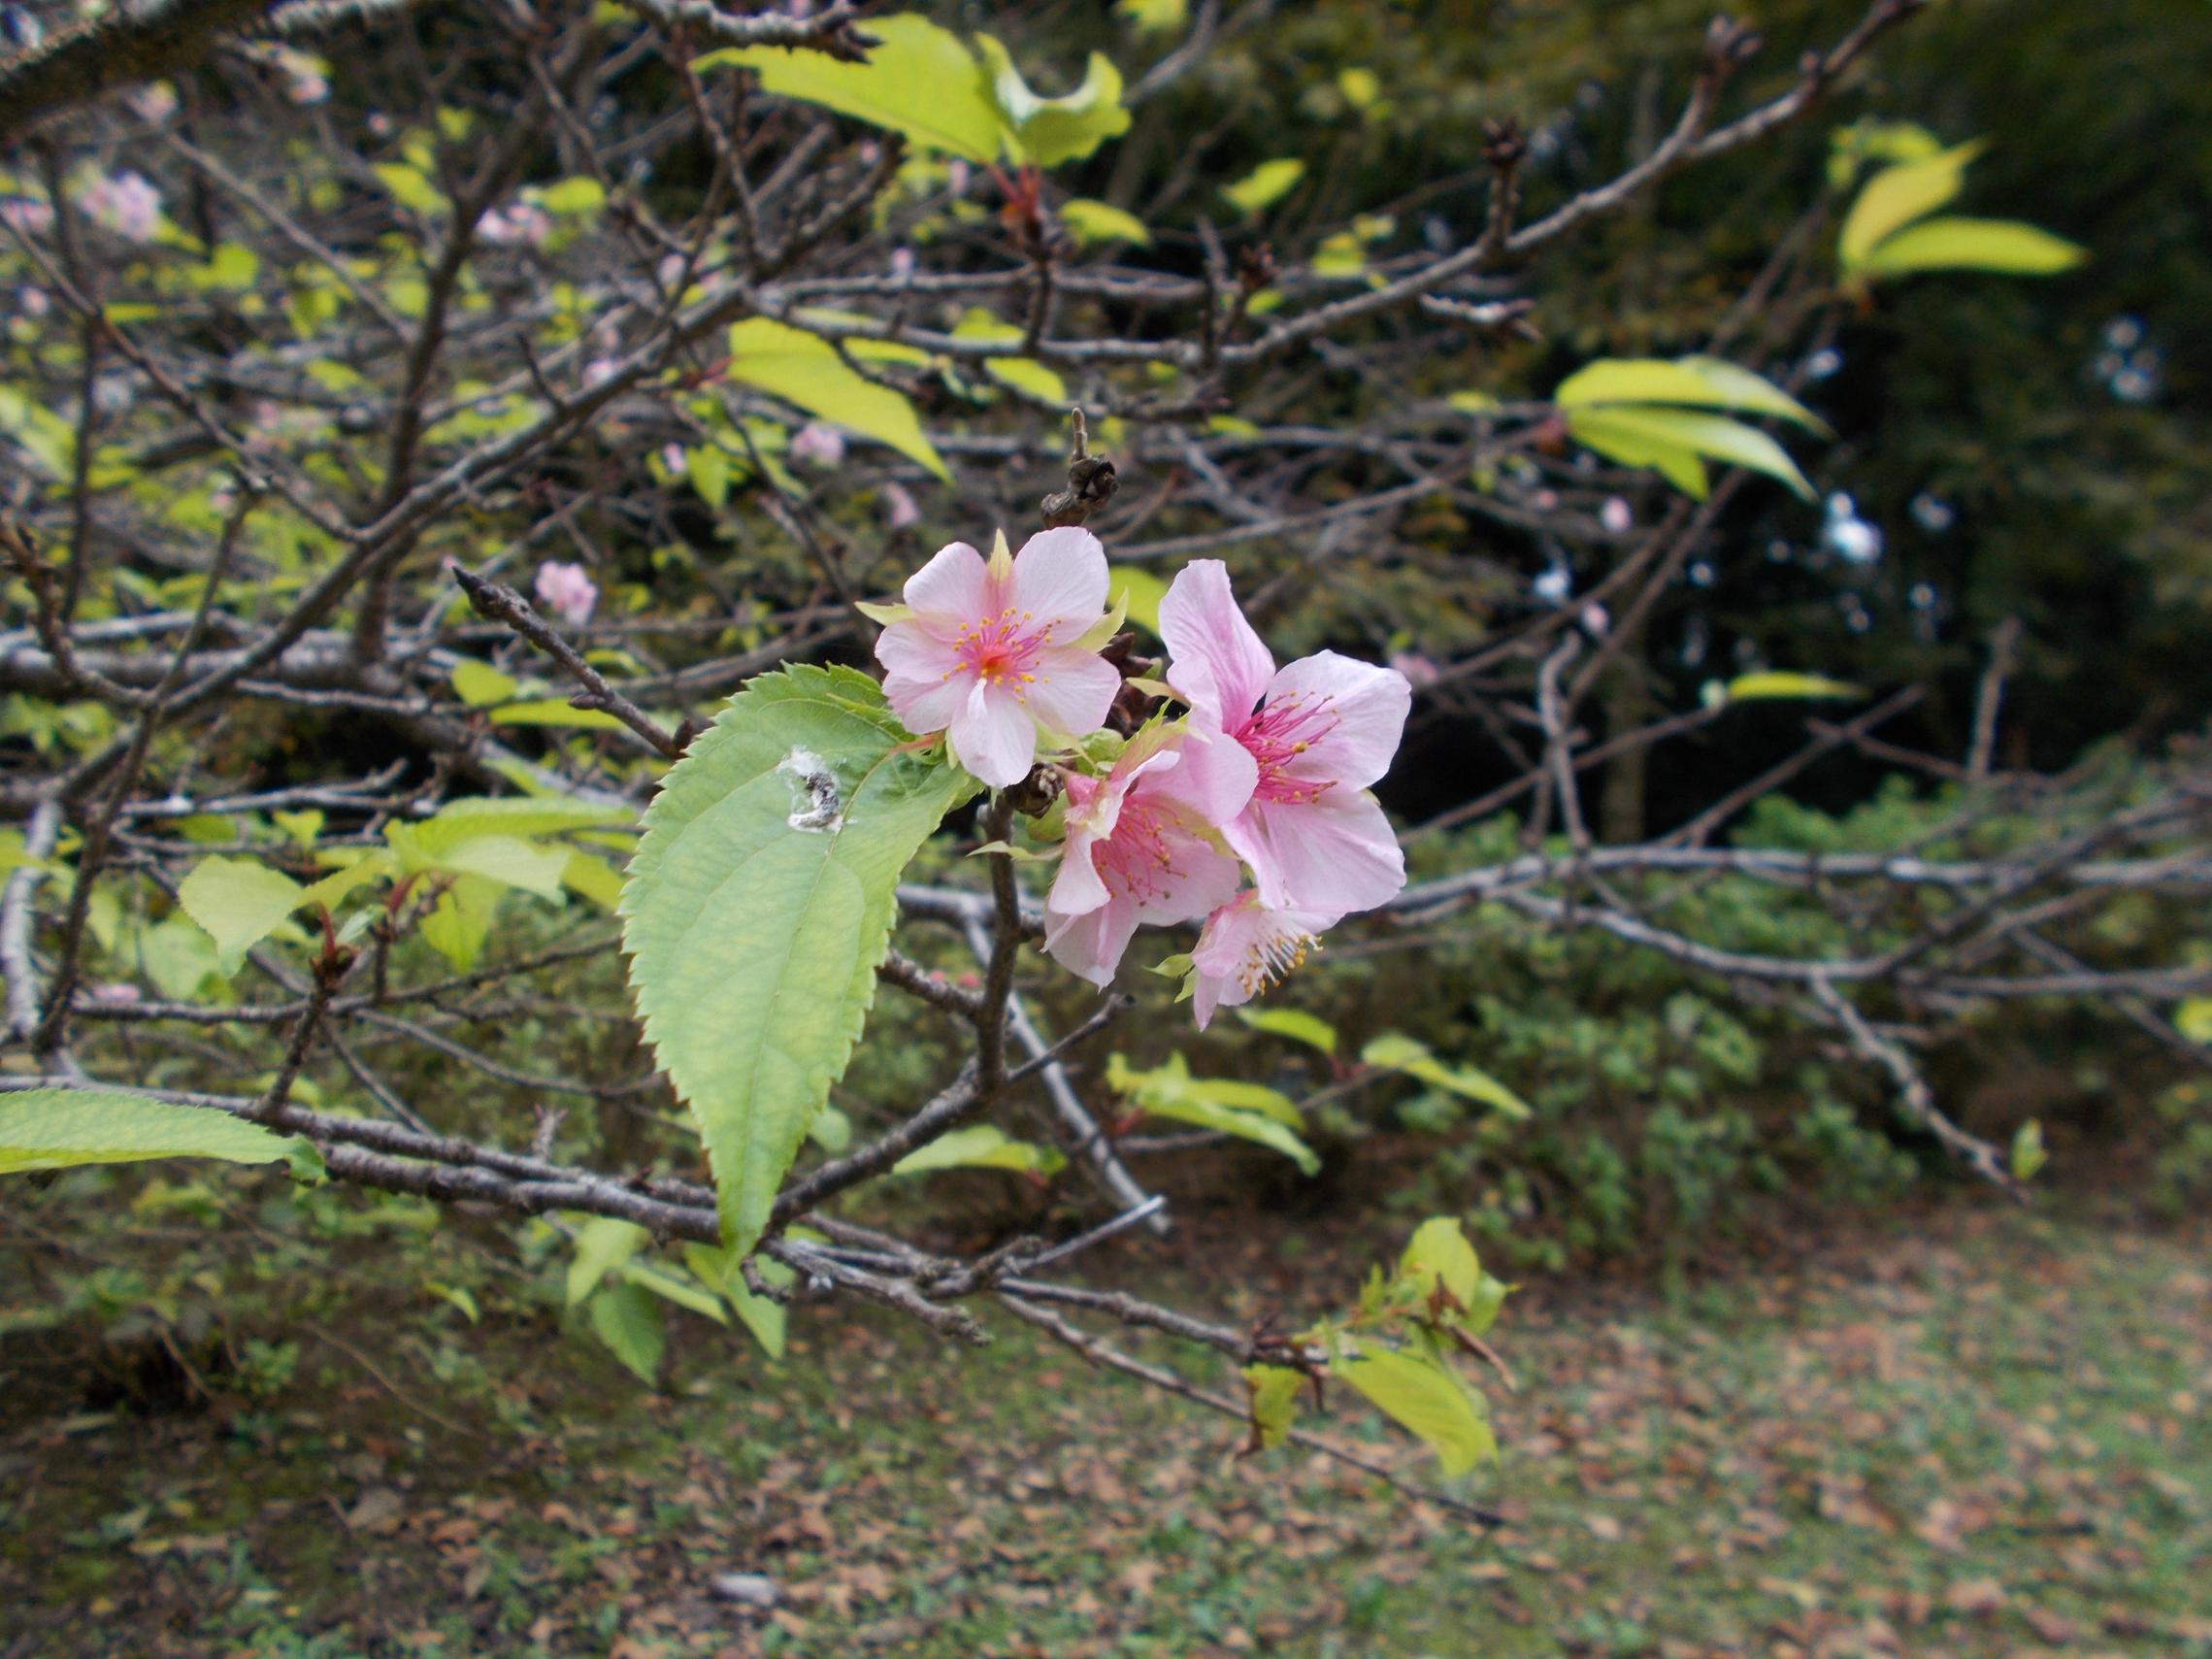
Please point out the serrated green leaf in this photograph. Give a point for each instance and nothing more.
(1048, 131)
(918, 80)
(460, 923)
(759, 907)
(59, 1129)
(1091, 222)
(1397, 1052)
(1265, 186)
(238, 900)
(979, 1146)
(628, 1320)
(1294, 1023)
(602, 1245)
(1426, 1399)
(2006, 246)
(803, 369)
(1898, 195)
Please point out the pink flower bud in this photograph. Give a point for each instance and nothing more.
(564, 590)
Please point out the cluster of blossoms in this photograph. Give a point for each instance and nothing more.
(1250, 809)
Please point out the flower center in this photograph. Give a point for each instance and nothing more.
(1281, 730)
(1274, 956)
(1137, 861)
(1002, 649)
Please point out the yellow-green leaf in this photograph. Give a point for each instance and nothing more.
(1426, 1399)
(918, 80)
(1700, 383)
(1898, 195)
(803, 369)
(1275, 1392)
(59, 1129)
(238, 900)
(979, 1146)
(1660, 438)
(1091, 222)
(1266, 185)
(1394, 1052)
(2006, 246)
(1771, 683)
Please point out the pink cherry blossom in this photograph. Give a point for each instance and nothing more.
(989, 654)
(1139, 846)
(1245, 947)
(28, 215)
(564, 590)
(520, 224)
(155, 103)
(125, 205)
(674, 460)
(898, 509)
(819, 443)
(1321, 730)
(1617, 516)
(1418, 670)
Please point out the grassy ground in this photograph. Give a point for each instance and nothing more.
(1976, 1434)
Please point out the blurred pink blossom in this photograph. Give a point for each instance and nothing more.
(28, 215)
(521, 223)
(1418, 670)
(155, 103)
(564, 590)
(673, 458)
(817, 442)
(898, 509)
(32, 302)
(123, 204)
(1617, 516)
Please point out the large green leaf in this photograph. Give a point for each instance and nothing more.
(918, 80)
(1048, 131)
(2005, 245)
(805, 369)
(58, 1129)
(759, 907)
(1898, 195)
(1426, 1399)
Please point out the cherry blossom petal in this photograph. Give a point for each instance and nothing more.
(1216, 659)
(1359, 716)
(928, 704)
(1202, 881)
(1060, 580)
(1338, 854)
(953, 588)
(1216, 777)
(1073, 691)
(1090, 945)
(994, 737)
(913, 653)
(1246, 947)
